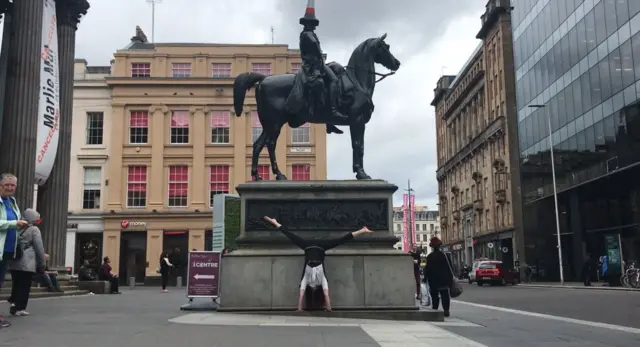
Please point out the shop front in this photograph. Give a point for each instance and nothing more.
(84, 241)
(456, 255)
(134, 243)
(496, 246)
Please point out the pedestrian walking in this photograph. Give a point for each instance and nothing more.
(165, 267)
(438, 274)
(10, 222)
(415, 254)
(28, 260)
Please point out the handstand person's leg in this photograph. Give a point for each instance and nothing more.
(325, 290)
(303, 289)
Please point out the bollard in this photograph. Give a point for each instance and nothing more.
(132, 282)
(179, 282)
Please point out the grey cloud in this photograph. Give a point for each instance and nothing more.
(416, 21)
(400, 139)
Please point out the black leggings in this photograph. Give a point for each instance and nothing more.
(164, 278)
(435, 299)
(20, 288)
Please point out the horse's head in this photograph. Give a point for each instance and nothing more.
(382, 54)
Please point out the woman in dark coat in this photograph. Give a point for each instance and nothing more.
(439, 276)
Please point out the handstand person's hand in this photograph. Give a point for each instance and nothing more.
(272, 221)
(366, 230)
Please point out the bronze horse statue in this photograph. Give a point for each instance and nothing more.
(357, 83)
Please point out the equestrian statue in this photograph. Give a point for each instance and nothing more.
(319, 93)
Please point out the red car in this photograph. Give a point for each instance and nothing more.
(495, 273)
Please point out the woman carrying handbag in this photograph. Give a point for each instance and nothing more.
(442, 283)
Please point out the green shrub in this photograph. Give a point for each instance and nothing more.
(231, 221)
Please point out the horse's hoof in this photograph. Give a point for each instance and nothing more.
(362, 176)
(257, 178)
(281, 177)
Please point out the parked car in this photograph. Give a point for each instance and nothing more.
(495, 273)
(474, 268)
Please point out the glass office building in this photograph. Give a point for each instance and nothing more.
(579, 62)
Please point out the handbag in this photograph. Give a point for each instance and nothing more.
(424, 293)
(456, 289)
(17, 255)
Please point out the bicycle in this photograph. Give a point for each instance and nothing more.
(631, 277)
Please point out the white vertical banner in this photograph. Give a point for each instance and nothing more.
(217, 234)
(49, 103)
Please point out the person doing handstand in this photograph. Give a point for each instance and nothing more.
(313, 274)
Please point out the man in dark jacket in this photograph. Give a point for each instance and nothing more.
(415, 254)
(437, 273)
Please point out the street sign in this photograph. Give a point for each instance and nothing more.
(490, 245)
(203, 275)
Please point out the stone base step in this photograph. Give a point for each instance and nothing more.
(35, 295)
(396, 315)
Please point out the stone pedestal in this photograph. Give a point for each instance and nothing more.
(364, 274)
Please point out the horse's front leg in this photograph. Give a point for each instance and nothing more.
(272, 141)
(357, 145)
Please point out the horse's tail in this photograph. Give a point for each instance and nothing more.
(242, 83)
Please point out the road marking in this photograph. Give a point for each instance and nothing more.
(386, 333)
(557, 318)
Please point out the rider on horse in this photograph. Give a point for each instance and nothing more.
(314, 68)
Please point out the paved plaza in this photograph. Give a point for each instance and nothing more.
(487, 316)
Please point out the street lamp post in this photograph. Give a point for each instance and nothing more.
(409, 214)
(555, 194)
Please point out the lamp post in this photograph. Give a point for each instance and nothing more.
(409, 214)
(555, 194)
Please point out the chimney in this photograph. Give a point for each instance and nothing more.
(140, 37)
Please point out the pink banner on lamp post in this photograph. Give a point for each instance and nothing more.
(405, 224)
(413, 221)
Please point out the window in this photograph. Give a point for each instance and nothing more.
(218, 181)
(219, 127)
(221, 70)
(263, 68)
(179, 127)
(95, 123)
(178, 186)
(301, 172)
(91, 188)
(256, 127)
(137, 186)
(139, 127)
(263, 171)
(301, 135)
(140, 70)
(296, 67)
(181, 70)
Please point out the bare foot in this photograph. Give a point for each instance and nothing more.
(328, 309)
(299, 310)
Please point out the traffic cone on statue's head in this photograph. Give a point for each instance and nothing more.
(310, 15)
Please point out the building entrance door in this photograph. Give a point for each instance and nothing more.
(133, 257)
(176, 244)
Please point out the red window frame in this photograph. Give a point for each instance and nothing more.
(301, 172)
(136, 182)
(263, 68)
(221, 70)
(178, 184)
(181, 70)
(218, 181)
(140, 70)
(264, 172)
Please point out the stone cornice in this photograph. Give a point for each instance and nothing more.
(70, 12)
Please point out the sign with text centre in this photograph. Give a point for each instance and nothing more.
(203, 275)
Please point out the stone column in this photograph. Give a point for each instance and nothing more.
(53, 197)
(19, 128)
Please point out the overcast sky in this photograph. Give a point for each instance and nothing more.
(427, 36)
